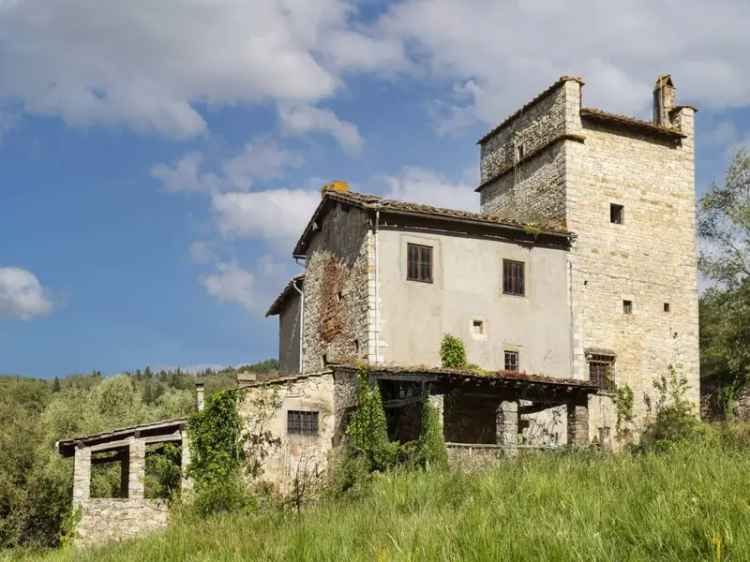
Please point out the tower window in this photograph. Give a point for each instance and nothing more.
(419, 263)
(477, 327)
(520, 149)
(627, 307)
(511, 360)
(513, 278)
(616, 213)
(666, 307)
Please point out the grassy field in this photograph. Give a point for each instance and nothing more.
(691, 503)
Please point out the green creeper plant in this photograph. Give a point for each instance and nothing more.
(452, 352)
(431, 451)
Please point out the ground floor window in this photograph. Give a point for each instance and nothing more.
(601, 371)
(511, 360)
(302, 423)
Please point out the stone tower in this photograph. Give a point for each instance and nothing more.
(626, 188)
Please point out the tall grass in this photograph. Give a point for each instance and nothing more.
(689, 503)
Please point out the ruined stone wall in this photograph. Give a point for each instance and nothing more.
(649, 260)
(530, 184)
(289, 332)
(337, 290)
(115, 519)
(274, 455)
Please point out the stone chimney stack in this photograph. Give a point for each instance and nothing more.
(199, 395)
(664, 100)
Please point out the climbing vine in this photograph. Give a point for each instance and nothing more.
(623, 400)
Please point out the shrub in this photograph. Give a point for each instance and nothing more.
(674, 419)
(217, 497)
(430, 450)
(452, 352)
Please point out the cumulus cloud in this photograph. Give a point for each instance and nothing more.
(253, 290)
(22, 295)
(276, 215)
(420, 185)
(258, 160)
(147, 65)
(506, 51)
(303, 119)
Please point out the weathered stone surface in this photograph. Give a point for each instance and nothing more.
(507, 426)
(82, 475)
(115, 519)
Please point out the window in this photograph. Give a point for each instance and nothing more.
(513, 278)
(616, 213)
(627, 307)
(419, 263)
(601, 372)
(511, 360)
(302, 423)
(666, 307)
(520, 151)
(477, 327)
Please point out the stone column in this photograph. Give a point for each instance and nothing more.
(578, 421)
(124, 473)
(506, 428)
(137, 468)
(187, 483)
(438, 402)
(82, 475)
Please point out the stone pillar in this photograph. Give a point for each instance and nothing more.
(82, 475)
(506, 427)
(186, 483)
(437, 401)
(578, 422)
(124, 473)
(137, 468)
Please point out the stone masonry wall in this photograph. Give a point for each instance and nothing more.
(649, 260)
(531, 188)
(276, 456)
(115, 519)
(337, 299)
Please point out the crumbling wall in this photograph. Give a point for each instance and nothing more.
(337, 299)
(116, 519)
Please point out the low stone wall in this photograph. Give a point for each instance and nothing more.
(115, 519)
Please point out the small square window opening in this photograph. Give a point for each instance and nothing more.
(477, 327)
(627, 307)
(616, 214)
(666, 307)
(511, 360)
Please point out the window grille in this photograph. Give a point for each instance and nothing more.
(511, 361)
(601, 371)
(302, 423)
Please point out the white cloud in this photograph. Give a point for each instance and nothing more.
(22, 295)
(258, 160)
(420, 185)
(303, 119)
(508, 51)
(148, 64)
(277, 215)
(253, 290)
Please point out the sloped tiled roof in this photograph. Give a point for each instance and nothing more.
(375, 202)
(288, 291)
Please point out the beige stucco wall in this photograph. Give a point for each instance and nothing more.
(467, 286)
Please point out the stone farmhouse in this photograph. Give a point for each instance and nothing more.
(577, 275)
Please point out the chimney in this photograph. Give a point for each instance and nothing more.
(664, 100)
(199, 395)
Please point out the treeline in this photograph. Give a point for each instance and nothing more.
(35, 482)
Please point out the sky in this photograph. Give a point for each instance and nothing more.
(160, 159)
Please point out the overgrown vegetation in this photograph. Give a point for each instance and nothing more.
(687, 503)
(36, 483)
(452, 352)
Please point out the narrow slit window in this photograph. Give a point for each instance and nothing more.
(616, 213)
(627, 307)
(514, 282)
(302, 423)
(666, 307)
(419, 263)
(511, 360)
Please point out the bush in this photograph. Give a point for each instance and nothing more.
(452, 352)
(430, 451)
(219, 497)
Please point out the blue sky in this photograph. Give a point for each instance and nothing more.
(160, 159)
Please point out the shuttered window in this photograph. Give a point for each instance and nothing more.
(419, 263)
(513, 278)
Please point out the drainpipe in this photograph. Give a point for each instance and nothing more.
(377, 286)
(301, 323)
